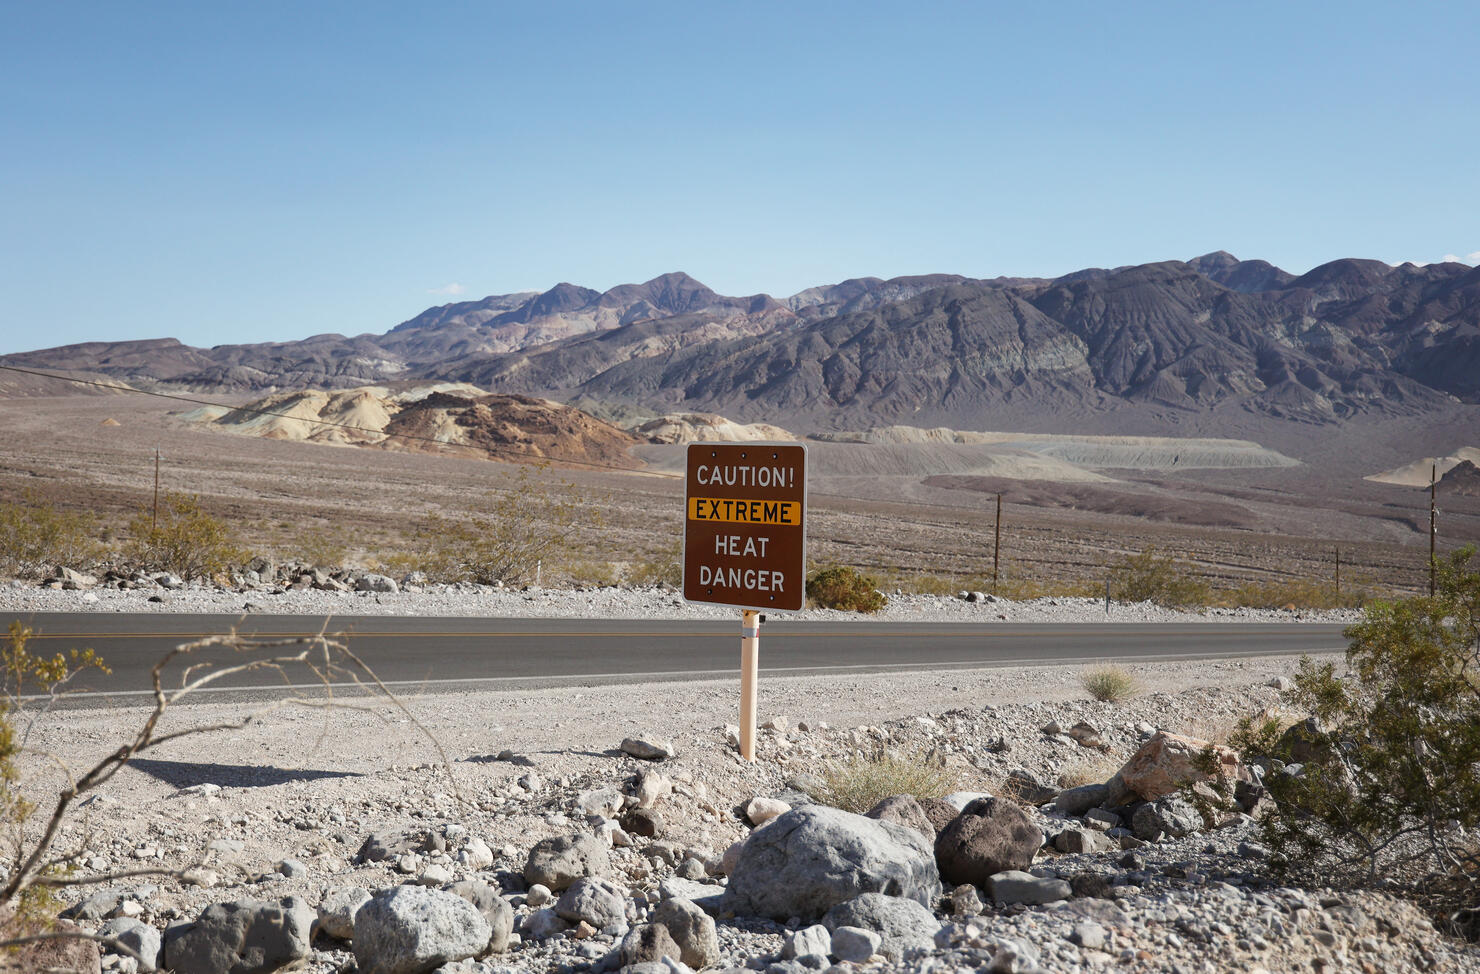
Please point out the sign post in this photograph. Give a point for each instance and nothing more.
(745, 543)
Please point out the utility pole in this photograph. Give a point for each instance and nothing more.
(154, 521)
(1433, 528)
(1338, 573)
(997, 545)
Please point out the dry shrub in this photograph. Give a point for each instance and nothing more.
(663, 568)
(1028, 589)
(1110, 684)
(1160, 579)
(847, 589)
(1300, 593)
(526, 524)
(36, 537)
(186, 540)
(1093, 769)
(869, 776)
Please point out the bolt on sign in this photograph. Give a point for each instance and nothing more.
(745, 541)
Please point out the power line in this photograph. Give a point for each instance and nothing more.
(505, 451)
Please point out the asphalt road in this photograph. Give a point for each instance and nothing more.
(443, 653)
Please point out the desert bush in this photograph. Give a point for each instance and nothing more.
(1110, 684)
(1300, 593)
(321, 548)
(23, 674)
(1027, 589)
(869, 776)
(524, 525)
(1393, 791)
(589, 572)
(661, 568)
(1152, 577)
(845, 588)
(35, 537)
(187, 540)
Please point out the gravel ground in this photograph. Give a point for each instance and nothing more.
(306, 787)
(311, 785)
(607, 603)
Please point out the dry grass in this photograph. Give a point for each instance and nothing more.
(867, 778)
(1110, 684)
(1093, 769)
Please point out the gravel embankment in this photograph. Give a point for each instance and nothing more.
(608, 603)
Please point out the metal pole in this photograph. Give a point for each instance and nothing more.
(154, 522)
(997, 544)
(1433, 528)
(750, 651)
(1338, 573)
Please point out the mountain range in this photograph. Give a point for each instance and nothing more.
(1349, 338)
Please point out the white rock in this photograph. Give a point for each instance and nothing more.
(761, 809)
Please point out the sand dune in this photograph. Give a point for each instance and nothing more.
(1417, 473)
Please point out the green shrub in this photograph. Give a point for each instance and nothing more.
(846, 589)
(868, 777)
(1110, 684)
(35, 537)
(1151, 577)
(1391, 789)
(187, 540)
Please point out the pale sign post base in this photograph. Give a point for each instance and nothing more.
(750, 651)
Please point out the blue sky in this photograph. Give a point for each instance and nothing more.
(250, 172)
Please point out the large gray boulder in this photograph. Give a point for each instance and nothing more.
(495, 909)
(599, 902)
(414, 929)
(814, 857)
(990, 835)
(242, 937)
(559, 861)
(692, 929)
(900, 924)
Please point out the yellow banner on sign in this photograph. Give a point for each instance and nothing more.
(743, 511)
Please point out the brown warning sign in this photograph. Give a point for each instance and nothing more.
(745, 514)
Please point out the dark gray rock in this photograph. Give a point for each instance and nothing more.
(242, 937)
(901, 924)
(1016, 886)
(990, 835)
(646, 943)
(939, 811)
(815, 857)
(137, 936)
(1077, 801)
(1026, 787)
(904, 810)
(1170, 816)
(413, 929)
